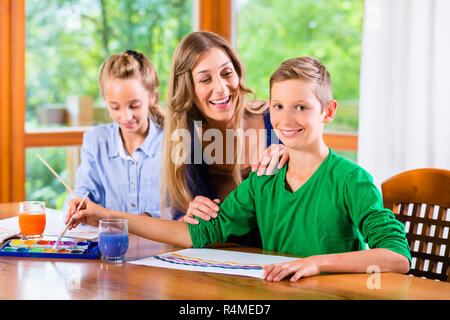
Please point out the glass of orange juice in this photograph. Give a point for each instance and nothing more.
(32, 218)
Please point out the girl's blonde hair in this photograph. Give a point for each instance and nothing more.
(181, 111)
(132, 65)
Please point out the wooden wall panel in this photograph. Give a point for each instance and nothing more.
(18, 99)
(215, 16)
(60, 138)
(341, 141)
(5, 97)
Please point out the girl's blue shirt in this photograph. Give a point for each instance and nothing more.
(115, 180)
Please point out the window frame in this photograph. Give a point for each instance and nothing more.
(212, 15)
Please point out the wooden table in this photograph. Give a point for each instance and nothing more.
(28, 278)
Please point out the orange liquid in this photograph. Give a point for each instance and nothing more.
(32, 224)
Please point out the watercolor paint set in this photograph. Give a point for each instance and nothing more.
(44, 249)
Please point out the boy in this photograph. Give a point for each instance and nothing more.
(319, 206)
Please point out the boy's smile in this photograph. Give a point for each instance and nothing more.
(290, 133)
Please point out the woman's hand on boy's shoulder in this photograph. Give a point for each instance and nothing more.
(276, 155)
(201, 207)
(305, 267)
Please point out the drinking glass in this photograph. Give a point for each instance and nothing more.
(32, 219)
(113, 239)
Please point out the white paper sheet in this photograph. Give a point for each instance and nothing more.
(54, 225)
(213, 260)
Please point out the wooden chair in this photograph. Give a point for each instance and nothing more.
(420, 199)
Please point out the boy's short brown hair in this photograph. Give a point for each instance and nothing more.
(306, 68)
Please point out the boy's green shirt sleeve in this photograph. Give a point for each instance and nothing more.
(236, 216)
(378, 225)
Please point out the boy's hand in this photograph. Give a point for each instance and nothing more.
(273, 155)
(201, 207)
(89, 213)
(301, 268)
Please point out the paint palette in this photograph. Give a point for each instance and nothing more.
(44, 249)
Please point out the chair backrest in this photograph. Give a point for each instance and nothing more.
(420, 199)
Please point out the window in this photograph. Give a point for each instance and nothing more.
(66, 42)
(41, 184)
(271, 31)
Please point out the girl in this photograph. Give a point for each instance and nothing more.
(120, 162)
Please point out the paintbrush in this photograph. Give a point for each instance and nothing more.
(70, 222)
(68, 189)
(56, 175)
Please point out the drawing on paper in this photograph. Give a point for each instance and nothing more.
(197, 262)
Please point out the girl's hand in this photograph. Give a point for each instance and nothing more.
(201, 207)
(301, 268)
(273, 155)
(89, 213)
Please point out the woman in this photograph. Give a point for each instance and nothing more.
(207, 92)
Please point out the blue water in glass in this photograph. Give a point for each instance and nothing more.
(113, 244)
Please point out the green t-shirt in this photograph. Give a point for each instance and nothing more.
(337, 210)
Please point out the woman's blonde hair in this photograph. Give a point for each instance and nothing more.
(181, 111)
(128, 65)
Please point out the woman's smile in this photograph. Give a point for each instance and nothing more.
(221, 103)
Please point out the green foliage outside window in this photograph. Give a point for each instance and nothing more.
(41, 184)
(272, 31)
(66, 42)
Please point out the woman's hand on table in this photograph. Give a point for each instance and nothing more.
(201, 207)
(275, 154)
